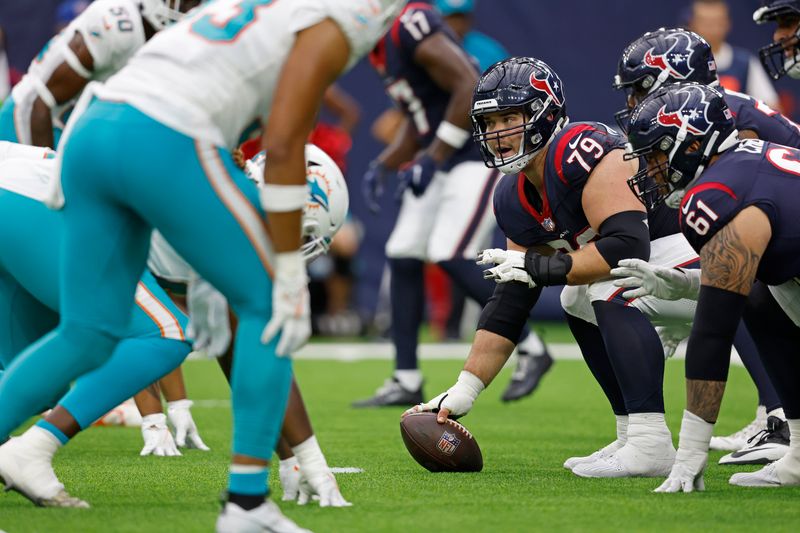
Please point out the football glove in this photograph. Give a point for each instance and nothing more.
(692, 456)
(289, 472)
(373, 184)
(291, 311)
(322, 487)
(416, 175)
(186, 434)
(457, 400)
(209, 324)
(510, 266)
(645, 279)
(157, 438)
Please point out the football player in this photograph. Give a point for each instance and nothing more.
(30, 295)
(668, 56)
(95, 45)
(736, 210)
(782, 56)
(445, 190)
(568, 217)
(184, 100)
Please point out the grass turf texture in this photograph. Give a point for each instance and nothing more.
(523, 486)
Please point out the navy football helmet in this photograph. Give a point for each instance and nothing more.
(786, 13)
(667, 55)
(521, 84)
(686, 124)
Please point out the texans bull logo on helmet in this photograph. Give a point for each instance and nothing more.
(676, 61)
(697, 122)
(548, 85)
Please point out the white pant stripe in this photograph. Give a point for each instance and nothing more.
(167, 324)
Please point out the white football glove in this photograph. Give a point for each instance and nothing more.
(510, 266)
(289, 472)
(291, 311)
(458, 399)
(157, 438)
(322, 487)
(692, 456)
(186, 434)
(671, 337)
(209, 324)
(645, 279)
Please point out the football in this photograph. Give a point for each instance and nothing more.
(447, 447)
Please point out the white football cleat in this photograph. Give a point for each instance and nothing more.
(648, 453)
(782, 473)
(125, 414)
(27, 469)
(602, 453)
(764, 447)
(266, 518)
(737, 441)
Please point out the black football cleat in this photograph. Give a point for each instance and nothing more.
(391, 393)
(526, 377)
(764, 447)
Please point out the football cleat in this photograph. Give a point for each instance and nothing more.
(28, 471)
(392, 393)
(764, 447)
(602, 453)
(737, 441)
(125, 414)
(266, 518)
(527, 375)
(781, 473)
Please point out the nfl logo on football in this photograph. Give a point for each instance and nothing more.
(448, 443)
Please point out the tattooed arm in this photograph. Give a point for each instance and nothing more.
(729, 262)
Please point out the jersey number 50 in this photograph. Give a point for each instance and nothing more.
(223, 21)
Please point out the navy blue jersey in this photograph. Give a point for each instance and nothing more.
(559, 221)
(768, 124)
(408, 84)
(756, 173)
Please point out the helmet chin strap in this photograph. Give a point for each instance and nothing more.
(676, 196)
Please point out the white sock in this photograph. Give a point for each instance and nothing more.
(622, 428)
(761, 413)
(41, 440)
(310, 458)
(788, 467)
(778, 412)
(531, 345)
(410, 380)
(650, 426)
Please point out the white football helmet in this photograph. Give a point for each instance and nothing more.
(328, 200)
(161, 13)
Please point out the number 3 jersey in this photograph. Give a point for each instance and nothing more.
(409, 84)
(557, 218)
(756, 173)
(112, 31)
(212, 75)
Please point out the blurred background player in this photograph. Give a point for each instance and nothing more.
(446, 191)
(738, 68)
(93, 46)
(286, 53)
(738, 211)
(669, 56)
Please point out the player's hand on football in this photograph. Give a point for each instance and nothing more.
(157, 438)
(373, 184)
(209, 325)
(291, 311)
(322, 487)
(289, 472)
(511, 266)
(692, 456)
(416, 175)
(186, 434)
(645, 279)
(455, 402)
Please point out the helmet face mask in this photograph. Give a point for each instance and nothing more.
(529, 91)
(677, 130)
(163, 13)
(774, 57)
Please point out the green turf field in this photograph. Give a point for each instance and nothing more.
(522, 488)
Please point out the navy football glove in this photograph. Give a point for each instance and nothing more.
(416, 175)
(373, 184)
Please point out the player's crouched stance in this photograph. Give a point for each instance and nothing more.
(738, 211)
(567, 217)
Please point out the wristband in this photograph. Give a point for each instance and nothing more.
(695, 433)
(283, 198)
(452, 134)
(470, 384)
